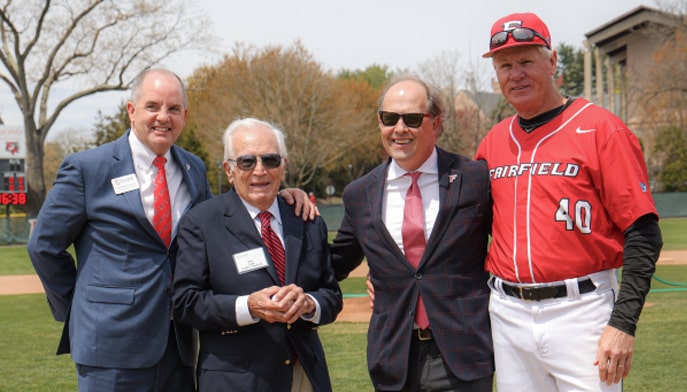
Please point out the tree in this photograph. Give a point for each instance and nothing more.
(570, 70)
(443, 72)
(111, 127)
(362, 157)
(323, 118)
(190, 141)
(661, 99)
(54, 154)
(88, 45)
(375, 75)
(671, 147)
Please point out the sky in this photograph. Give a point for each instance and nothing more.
(355, 34)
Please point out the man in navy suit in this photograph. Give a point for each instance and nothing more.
(430, 325)
(116, 302)
(256, 298)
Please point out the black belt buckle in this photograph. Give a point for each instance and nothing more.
(537, 293)
(424, 334)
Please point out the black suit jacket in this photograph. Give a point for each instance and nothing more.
(451, 275)
(256, 357)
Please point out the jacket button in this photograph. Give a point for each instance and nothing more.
(287, 362)
(288, 327)
(418, 276)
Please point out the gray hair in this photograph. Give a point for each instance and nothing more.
(543, 50)
(242, 123)
(138, 82)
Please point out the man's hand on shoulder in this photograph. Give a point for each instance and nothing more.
(304, 207)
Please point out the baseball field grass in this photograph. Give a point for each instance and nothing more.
(29, 335)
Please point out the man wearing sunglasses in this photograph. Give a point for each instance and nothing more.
(253, 278)
(421, 219)
(571, 204)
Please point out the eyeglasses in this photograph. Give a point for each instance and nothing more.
(413, 120)
(520, 34)
(248, 162)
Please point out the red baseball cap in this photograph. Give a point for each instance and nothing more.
(517, 30)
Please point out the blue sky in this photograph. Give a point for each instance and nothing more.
(357, 33)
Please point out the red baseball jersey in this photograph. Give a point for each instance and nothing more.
(563, 194)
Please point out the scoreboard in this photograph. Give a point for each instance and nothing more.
(13, 186)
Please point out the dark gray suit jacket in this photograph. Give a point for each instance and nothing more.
(451, 275)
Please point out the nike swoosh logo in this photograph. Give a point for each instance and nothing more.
(580, 130)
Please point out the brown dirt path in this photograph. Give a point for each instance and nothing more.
(354, 310)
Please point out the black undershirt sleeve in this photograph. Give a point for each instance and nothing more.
(642, 247)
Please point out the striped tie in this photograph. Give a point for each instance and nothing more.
(274, 245)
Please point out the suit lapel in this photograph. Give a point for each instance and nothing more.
(239, 223)
(293, 240)
(450, 178)
(185, 168)
(123, 165)
(375, 195)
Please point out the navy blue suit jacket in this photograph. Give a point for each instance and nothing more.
(115, 299)
(450, 277)
(255, 357)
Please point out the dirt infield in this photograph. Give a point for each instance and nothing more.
(354, 310)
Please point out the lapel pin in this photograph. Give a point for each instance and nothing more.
(452, 178)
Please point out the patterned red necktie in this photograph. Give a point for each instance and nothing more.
(413, 233)
(162, 216)
(274, 245)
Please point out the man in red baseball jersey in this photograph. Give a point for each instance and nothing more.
(571, 204)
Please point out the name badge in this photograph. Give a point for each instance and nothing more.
(250, 260)
(125, 184)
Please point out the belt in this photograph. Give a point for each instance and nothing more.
(423, 334)
(540, 292)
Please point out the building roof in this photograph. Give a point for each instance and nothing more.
(486, 101)
(611, 33)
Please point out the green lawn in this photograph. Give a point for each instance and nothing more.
(29, 334)
(29, 338)
(15, 260)
(674, 232)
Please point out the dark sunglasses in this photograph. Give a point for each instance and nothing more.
(413, 120)
(520, 34)
(248, 162)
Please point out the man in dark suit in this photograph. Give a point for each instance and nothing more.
(253, 279)
(116, 301)
(422, 220)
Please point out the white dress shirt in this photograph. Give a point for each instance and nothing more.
(146, 172)
(243, 316)
(396, 187)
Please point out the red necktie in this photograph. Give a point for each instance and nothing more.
(274, 245)
(162, 216)
(413, 233)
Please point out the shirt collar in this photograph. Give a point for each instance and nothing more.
(254, 211)
(141, 153)
(430, 166)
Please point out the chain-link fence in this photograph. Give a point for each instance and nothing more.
(15, 230)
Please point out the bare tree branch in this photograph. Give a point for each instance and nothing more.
(89, 46)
